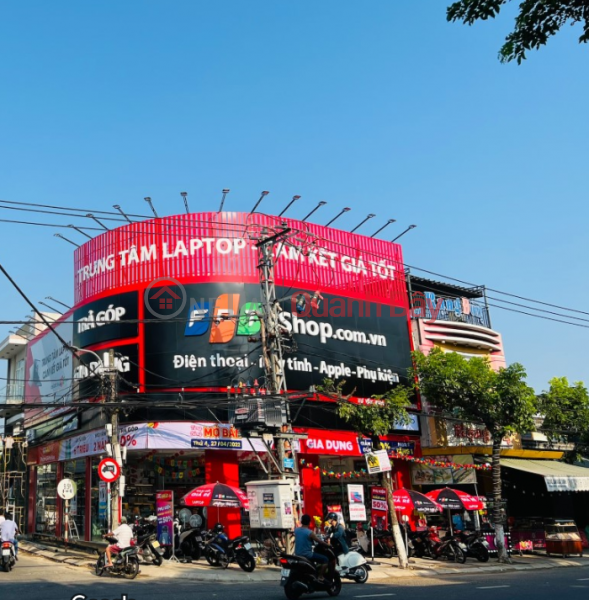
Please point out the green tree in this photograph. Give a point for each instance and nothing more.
(537, 20)
(373, 421)
(471, 390)
(565, 409)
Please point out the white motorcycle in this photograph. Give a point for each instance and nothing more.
(351, 565)
(8, 556)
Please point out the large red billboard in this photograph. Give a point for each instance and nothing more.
(177, 299)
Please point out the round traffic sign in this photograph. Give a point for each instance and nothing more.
(67, 489)
(109, 470)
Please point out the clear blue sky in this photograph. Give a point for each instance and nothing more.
(380, 106)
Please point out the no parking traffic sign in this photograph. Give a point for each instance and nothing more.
(109, 470)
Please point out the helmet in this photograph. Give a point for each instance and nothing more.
(331, 517)
(218, 528)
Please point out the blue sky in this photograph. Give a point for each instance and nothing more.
(380, 106)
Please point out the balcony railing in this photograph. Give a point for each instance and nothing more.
(13, 393)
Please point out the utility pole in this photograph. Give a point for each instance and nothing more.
(271, 337)
(115, 487)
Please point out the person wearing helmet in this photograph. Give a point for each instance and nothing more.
(304, 538)
(338, 531)
(218, 528)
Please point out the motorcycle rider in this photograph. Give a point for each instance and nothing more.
(8, 531)
(124, 535)
(338, 531)
(304, 538)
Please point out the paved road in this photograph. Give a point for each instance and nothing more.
(39, 579)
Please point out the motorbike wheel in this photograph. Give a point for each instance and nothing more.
(482, 554)
(336, 586)
(99, 567)
(157, 557)
(132, 568)
(361, 574)
(291, 593)
(459, 556)
(246, 562)
(384, 550)
(7, 566)
(223, 560)
(211, 558)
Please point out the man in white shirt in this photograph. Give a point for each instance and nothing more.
(124, 535)
(8, 531)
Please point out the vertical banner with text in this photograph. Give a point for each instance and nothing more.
(380, 513)
(164, 506)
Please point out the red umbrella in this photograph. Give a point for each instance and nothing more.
(455, 499)
(216, 494)
(407, 500)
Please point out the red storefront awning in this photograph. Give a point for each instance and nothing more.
(320, 441)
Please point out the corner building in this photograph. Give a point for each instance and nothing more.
(175, 298)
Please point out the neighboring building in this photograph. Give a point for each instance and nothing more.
(13, 484)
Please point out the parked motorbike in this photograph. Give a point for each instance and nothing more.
(351, 565)
(149, 549)
(8, 556)
(428, 544)
(473, 545)
(383, 543)
(220, 551)
(191, 542)
(299, 575)
(126, 563)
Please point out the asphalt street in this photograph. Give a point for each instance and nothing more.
(39, 579)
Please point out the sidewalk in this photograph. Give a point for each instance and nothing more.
(385, 569)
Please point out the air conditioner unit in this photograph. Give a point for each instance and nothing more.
(258, 413)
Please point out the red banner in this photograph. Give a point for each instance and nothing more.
(319, 441)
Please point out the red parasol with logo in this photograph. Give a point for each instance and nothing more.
(408, 500)
(455, 499)
(216, 494)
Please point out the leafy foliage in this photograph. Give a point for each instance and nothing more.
(536, 22)
(473, 391)
(566, 413)
(372, 420)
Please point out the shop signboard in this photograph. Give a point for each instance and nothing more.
(102, 500)
(430, 475)
(110, 318)
(164, 506)
(341, 339)
(380, 508)
(378, 462)
(320, 441)
(356, 502)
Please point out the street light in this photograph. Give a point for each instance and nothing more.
(225, 192)
(148, 200)
(258, 202)
(184, 195)
(58, 235)
(370, 216)
(385, 225)
(294, 199)
(58, 302)
(404, 232)
(121, 211)
(343, 210)
(91, 216)
(316, 208)
(80, 231)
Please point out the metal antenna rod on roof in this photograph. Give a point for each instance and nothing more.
(148, 200)
(121, 211)
(316, 208)
(294, 199)
(370, 216)
(343, 210)
(225, 192)
(91, 216)
(58, 235)
(80, 231)
(258, 202)
(404, 232)
(184, 195)
(385, 225)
